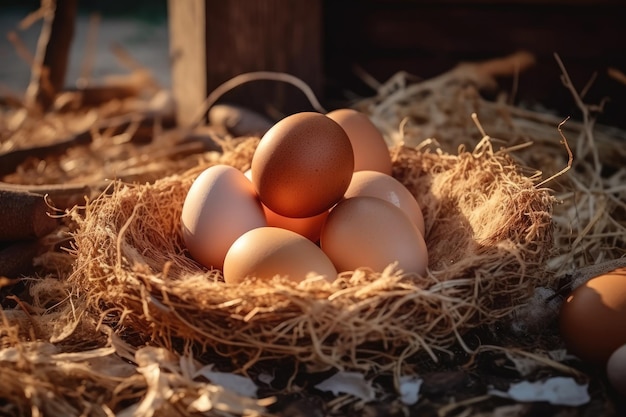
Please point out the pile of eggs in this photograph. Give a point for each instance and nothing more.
(319, 199)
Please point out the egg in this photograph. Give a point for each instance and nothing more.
(593, 317)
(309, 227)
(371, 232)
(269, 251)
(220, 206)
(377, 184)
(302, 165)
(616, 370)
(368, 144)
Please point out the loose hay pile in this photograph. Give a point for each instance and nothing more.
(488, 233)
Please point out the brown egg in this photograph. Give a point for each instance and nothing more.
(593, 317)
(302, 165)
(309, 227)
(370, 149)
(377, 184)
(373, 233)
(269, 251)
(220, 206)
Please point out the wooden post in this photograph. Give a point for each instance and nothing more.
(53, 50)
(187, 28)
(215, 40)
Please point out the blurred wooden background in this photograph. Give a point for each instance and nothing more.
(330, 43)
(323, 41)
(426, 38)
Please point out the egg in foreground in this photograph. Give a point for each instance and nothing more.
(266, 252)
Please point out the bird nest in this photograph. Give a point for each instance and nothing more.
(488, 230)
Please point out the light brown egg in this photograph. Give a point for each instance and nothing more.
(368, 144)
(269, 251)
(309, 227)
(302, 165)
(220, 206)
(377, 184)
(593, 317)
(371, 232)
(616, 370)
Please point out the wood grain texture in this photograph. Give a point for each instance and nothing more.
(265, 35)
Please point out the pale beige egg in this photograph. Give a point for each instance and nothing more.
(371, 232)
(220, 206)
(616, 370)
(266, 252)
(377, 184)
(368, 144)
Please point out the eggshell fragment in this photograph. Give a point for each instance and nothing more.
(220, 206)
(269, 251)
(377, 184)
(593, 317)
(302, 165)
(371, 232)
(370, 149)
(616, 370)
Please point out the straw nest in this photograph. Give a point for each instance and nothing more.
(488, 232)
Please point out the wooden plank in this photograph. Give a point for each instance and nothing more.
(186, 20)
